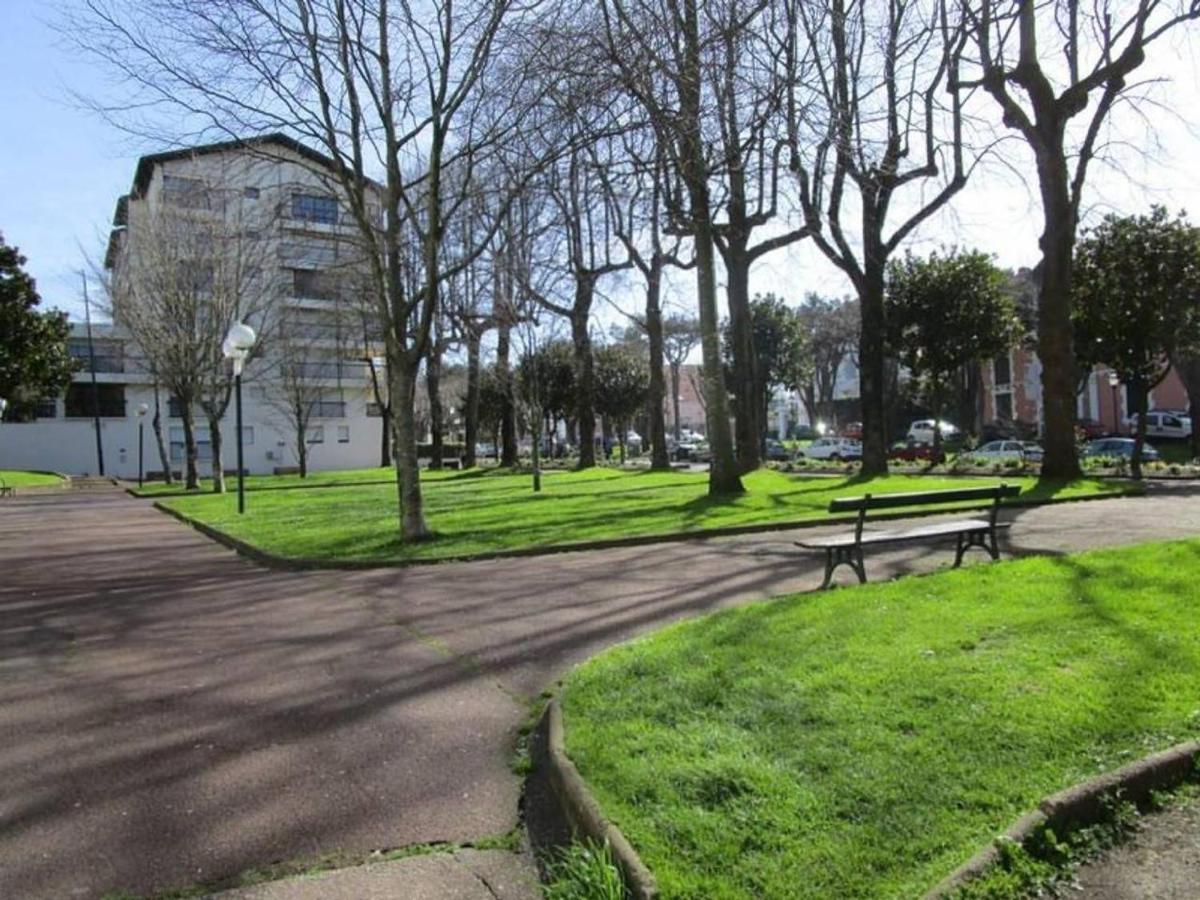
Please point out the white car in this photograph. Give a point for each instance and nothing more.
(831, 448)
(997, 451)
(921, 431)
(1162, 425)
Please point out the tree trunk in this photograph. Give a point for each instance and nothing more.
(1055, 344)
(408, 471)
(535, 422)
(156, 426)
(745, 369)
(385, 435)
(659, 458)
(433, 387)
(301, 445)
(471, 412)
(675, 380)
(218, 470)
(191, 475)
(508, 416)
(1138, 389)
(871, 375)
(585, 384)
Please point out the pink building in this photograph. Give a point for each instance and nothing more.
(1012, 392)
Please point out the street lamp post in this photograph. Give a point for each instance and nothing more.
(1114, 380)
(236, 347)
(141, 417)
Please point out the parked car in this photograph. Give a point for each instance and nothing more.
(916, 451)
(1091, 429)
(693, 451)
(776, 452)
(852, 430)
(1114, 447)
(922, 431)
(997, 451)
(1161, 424)
(835, 449)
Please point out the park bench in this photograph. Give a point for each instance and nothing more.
(847, 549)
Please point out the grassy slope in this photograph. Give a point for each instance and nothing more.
(14, 478)
(863, 743)
(479, 512)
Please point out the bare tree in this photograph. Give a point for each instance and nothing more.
(873, 108)
(186, 269)
(1042, 63)
(395, 90)
(658, 47)
(832, 328)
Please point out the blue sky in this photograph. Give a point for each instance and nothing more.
(62, 169)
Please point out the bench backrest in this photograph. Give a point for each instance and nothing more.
(923, 498)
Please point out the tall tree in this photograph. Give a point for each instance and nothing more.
(1136, 300)
(946, 311)
(1045, 65)
(873, 109)
(34, 362)
(780, 347)
(658, 49)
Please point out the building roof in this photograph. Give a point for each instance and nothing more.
(146, 165)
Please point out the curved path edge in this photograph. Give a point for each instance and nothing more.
(582, 811)
(1080, 805)
(309, 563)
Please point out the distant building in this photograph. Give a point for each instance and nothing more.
(305, 252)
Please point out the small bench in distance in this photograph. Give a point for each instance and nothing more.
(847, 549)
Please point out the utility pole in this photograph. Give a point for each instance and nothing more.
(87, 317)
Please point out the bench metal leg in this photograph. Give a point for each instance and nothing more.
(844, 556)
(984, 540)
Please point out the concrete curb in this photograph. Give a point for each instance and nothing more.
(1081, 805)
(309, 563)
(581, 810)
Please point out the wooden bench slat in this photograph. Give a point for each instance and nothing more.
(940, 529)
(922, 498)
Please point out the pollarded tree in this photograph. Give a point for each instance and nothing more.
(622, 386)
(1136, 298)
(875, 125)
(34, 362)
(1056, 70)
(946, 311)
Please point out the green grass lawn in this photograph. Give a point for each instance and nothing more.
(15, 478)
(865, 742)
(485, 511)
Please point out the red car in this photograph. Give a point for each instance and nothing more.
(1090, 429)
(916, 451)
(852, 430)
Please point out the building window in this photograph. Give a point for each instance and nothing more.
(343, 434)
(248, 435)
(316, 434)
(374, 410)
(189, 193)
(1002, 371)
(1004, 407)
(314, 284)
(250, 193)
(46, 409)
(110, 398)
(329, 409)
(174, 408)
(315, 208)
(109, 357)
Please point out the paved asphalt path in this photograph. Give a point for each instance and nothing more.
(171, 714)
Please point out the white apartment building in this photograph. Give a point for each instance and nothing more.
(303, 244)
